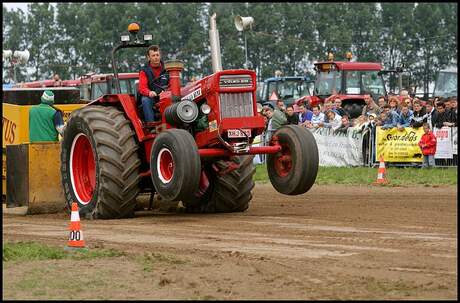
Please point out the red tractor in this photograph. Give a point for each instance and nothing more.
(200, 152)
(349, 81)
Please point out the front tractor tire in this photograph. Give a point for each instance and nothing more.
(100, 163)
(293, 170)
(175, 165)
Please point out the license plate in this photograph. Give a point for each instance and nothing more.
(236, 133)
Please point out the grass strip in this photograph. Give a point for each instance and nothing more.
(30, 251)
(397, 176)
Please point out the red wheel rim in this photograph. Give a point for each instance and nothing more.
(283, 161)
(82, 169)
(165, 165)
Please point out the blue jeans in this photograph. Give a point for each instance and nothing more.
(428, 161)
(147, 106)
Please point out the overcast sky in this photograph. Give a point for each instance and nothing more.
(11, 6)
(16, 5)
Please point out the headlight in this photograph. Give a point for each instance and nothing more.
(259, 107)
(187, 111)
(125, 38)
(205, 109)
(148, 37)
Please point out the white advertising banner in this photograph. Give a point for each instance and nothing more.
(339, 148)
(454, 140)
(443, 143)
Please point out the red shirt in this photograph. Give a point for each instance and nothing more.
(143, 80)
(428, 144)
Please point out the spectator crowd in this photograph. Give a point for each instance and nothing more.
(398, 111)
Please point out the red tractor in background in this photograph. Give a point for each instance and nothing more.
(92, 86)
(200, 152)
(347, 80)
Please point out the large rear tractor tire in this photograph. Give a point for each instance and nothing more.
(230, 192)
(175, 165)
(100, 163)
(293, 170)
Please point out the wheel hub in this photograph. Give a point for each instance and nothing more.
(283, 161)
(82, 169)
(165, 165)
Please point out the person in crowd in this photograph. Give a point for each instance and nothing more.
(153, 79)
(452, 114)
(381, 102)
(454, 110)
(392, 114)
(265, 107)
(327, 105)
(335, 120)
(361, 123)
(304, 115)
(291, 117)
(370, 106)
(408, 102)
(276, 119)
(427, 144)
(403, 94)
(420, 116)
(387, 119)
(453, 101)
(429, 109)
(317, 118)
(405, 117)
(346, 124)
(448, 105)
(280, 105)
(57, 80)
(441, 117)
(45, 121)
(337, 107)
(372, 119)
(393, 102)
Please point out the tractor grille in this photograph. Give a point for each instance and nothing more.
(234, 105)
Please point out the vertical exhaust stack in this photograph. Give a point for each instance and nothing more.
(215, 45)
(174, 68)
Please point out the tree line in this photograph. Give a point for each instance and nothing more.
(76, 38)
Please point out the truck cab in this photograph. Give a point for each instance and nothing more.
(289, 89)
(349, 81)
(446, 83)
(94, 86)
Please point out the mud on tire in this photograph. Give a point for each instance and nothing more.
(106, 186)
(230, 192)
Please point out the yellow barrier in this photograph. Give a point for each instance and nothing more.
(15, 127)
(35, 181)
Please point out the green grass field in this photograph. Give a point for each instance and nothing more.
(29, 251)
(367, 175)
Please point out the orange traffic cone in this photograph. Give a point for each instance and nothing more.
(381, 173)
(76, 234)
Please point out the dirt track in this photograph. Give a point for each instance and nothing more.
(335, 242)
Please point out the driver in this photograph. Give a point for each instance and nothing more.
(153, 79)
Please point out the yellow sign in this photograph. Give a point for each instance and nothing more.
(15, 125)
(399, 146)
(15, 121)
